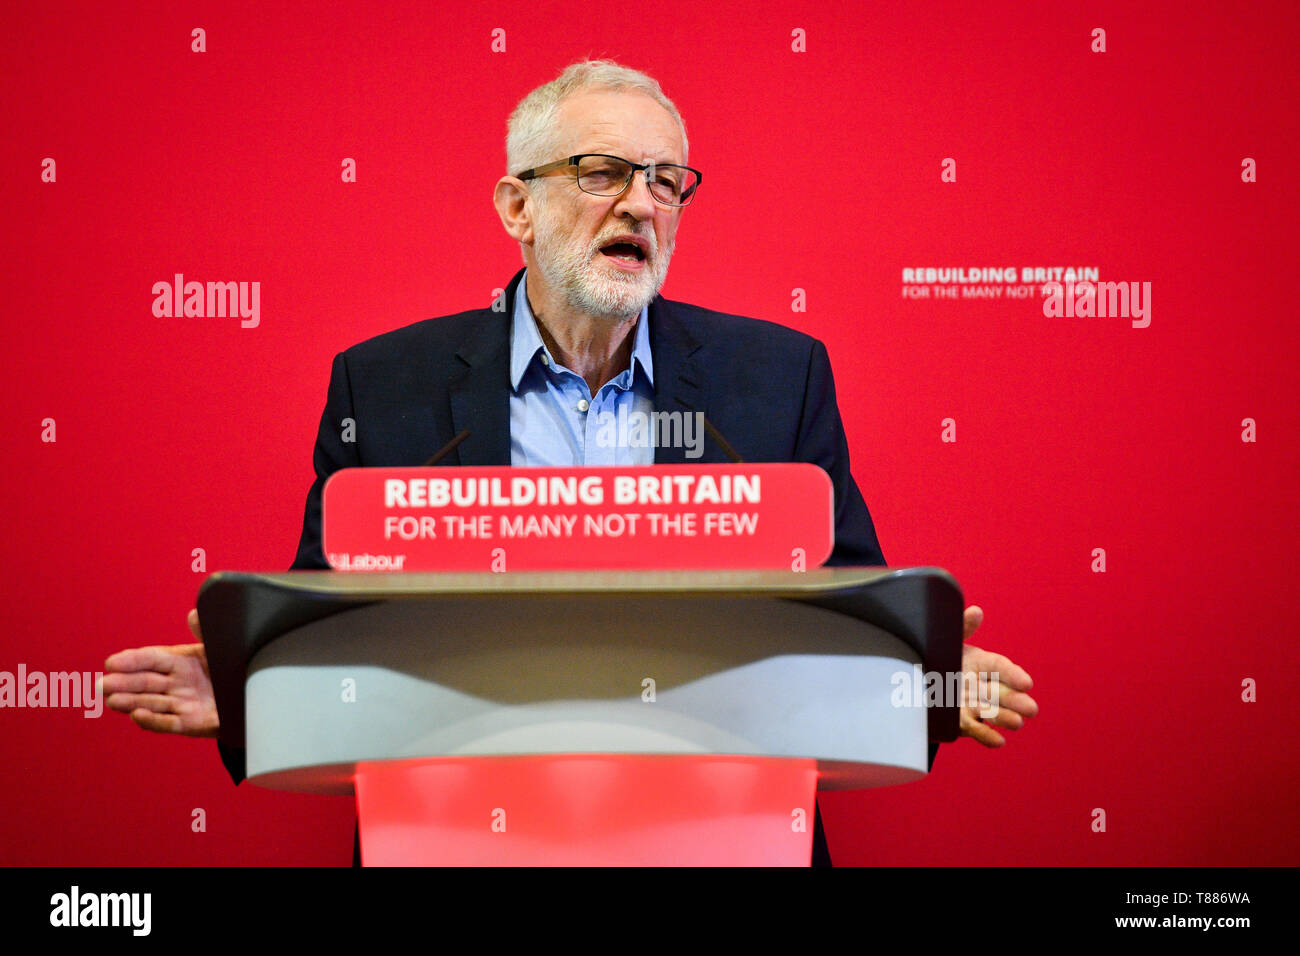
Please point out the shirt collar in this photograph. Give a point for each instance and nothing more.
(526, 341)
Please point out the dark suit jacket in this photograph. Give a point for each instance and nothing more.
(767, 390)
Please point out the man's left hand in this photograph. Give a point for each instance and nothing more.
(1003, 700)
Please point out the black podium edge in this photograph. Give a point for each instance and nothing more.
(242, 612)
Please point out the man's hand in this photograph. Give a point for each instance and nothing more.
(1005, 695)
(165, 689)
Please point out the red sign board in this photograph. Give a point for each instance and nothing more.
(657, 517)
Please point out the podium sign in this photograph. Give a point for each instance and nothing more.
(660, 517)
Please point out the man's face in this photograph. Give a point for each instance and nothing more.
(571, 227)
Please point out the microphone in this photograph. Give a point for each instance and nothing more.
(446, 449)
(715, 435)
(722, 442)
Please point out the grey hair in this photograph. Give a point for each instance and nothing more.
(532, 137)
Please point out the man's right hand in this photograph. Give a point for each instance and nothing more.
(164, 688)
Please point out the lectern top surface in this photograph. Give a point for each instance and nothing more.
(394, 585)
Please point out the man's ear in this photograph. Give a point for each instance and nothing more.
(514, 204)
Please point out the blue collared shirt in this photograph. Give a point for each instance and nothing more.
(554, 418)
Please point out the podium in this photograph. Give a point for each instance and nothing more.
(561, 718)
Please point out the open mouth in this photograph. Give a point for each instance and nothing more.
(625, 251)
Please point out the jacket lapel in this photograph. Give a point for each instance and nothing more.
(680, 383)
(480, 396)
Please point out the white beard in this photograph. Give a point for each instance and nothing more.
(569, 266)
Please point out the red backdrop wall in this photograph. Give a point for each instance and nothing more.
(822, 173)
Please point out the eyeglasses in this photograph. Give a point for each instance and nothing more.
(603, 175)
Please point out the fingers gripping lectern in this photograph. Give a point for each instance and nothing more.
(617, 717)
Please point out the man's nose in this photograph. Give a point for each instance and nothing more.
(636, 199)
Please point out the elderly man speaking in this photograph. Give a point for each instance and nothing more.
(599, 179)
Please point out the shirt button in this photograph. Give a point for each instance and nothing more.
(583, 404)
(546, 359)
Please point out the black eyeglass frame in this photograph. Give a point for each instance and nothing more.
(636, 168)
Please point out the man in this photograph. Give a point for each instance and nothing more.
(600, 179)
